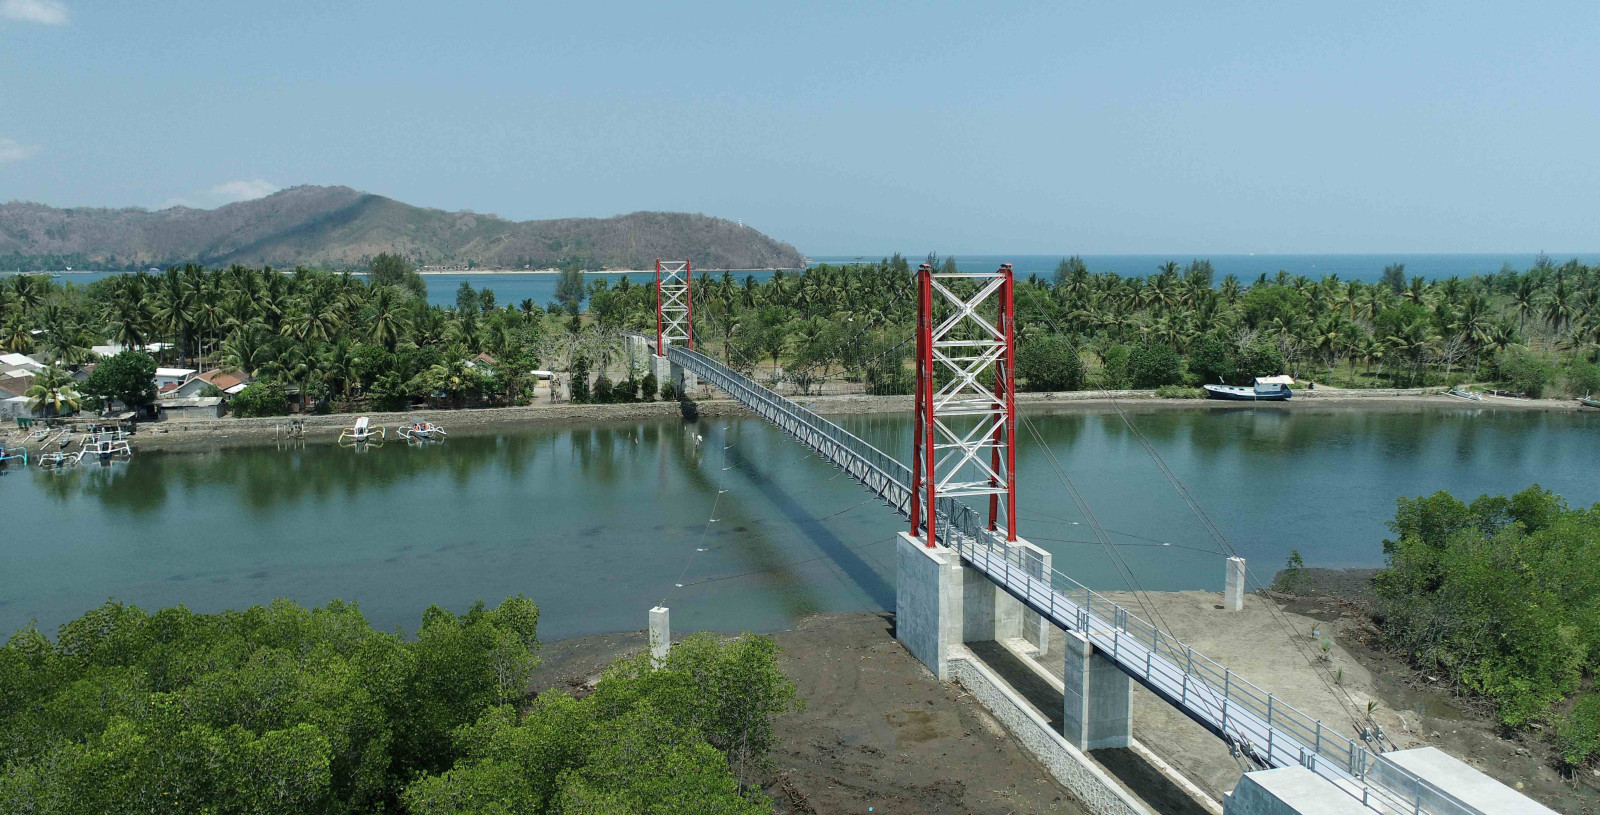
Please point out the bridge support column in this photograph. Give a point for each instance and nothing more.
(1035, 628)
(991, 613)
(928, 600)
(683, 378)
(1098, 698)
(1233, 590)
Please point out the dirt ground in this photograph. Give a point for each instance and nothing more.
(878, 730)
(1280, 652)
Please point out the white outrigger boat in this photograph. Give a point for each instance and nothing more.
(361, 433)
(1460, 393)
(421, 431)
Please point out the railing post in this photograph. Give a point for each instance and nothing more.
(1318, 747)
(1227, 685)
(1269, 728)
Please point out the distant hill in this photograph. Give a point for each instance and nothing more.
(338, 227)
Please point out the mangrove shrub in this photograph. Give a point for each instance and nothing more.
(1502, 594)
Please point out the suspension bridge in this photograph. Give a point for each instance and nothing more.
(965, 443)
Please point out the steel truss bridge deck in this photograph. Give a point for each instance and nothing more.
(1262, 727)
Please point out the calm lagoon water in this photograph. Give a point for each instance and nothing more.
(597, 522)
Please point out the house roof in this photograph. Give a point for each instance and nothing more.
(224, 380)
(175, 372)
(191, 402)
(170, 387)
(114, 349)
(13, 386)
(20, 361)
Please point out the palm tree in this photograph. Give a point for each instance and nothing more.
(52, 390)
(1524, 298)
(387, 320)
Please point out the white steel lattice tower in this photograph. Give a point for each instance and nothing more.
(674, 305)
(964, 443)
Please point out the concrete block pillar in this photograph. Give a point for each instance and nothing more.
(1233, 592)
(660, 634)
(987, 611)
(928, 613)
(684, 378)
(661, 368)
(1034, 628)
(1098, 699)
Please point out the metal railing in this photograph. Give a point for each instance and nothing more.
(1261, 726)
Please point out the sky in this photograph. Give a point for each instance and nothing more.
(846, 128)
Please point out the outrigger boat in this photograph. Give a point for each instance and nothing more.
(361, 432)
(1588, 401)
(8, 453)
(1259, 392)
(420, 431)
(104, 450)
(1461, 394)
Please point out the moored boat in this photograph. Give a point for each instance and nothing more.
(1259, 392)
(1589, 401)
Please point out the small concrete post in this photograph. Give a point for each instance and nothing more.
(660, 634)
(1233, 594)
(1098, 698)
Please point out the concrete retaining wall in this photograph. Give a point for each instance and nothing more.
(1101, 794)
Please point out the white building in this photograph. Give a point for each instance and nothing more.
(172, 376)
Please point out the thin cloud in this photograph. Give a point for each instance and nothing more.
(231, 191)
(13, 150)
(44, 12)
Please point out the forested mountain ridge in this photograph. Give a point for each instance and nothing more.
(338, 227)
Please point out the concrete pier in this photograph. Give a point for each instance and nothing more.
(684, 379)
(1233, 592)
(660, 634)
(1035, 628)
(928, 613)
(661, 368)
(1098, 698)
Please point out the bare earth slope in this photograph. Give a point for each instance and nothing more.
(337, 227)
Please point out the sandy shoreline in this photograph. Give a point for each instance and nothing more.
(213, 433)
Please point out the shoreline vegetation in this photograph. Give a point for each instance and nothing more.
(319, 342)
(202, 435)
(1484, 611)
(281, 708)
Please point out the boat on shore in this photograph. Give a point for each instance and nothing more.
(1249, 393)
(1259, 392)
(1589, 401)
(1463, 394)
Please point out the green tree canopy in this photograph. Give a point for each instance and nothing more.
(1503, 595)
(1050, 363)
(1152, 365)
(389, 269)
(128, 377)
